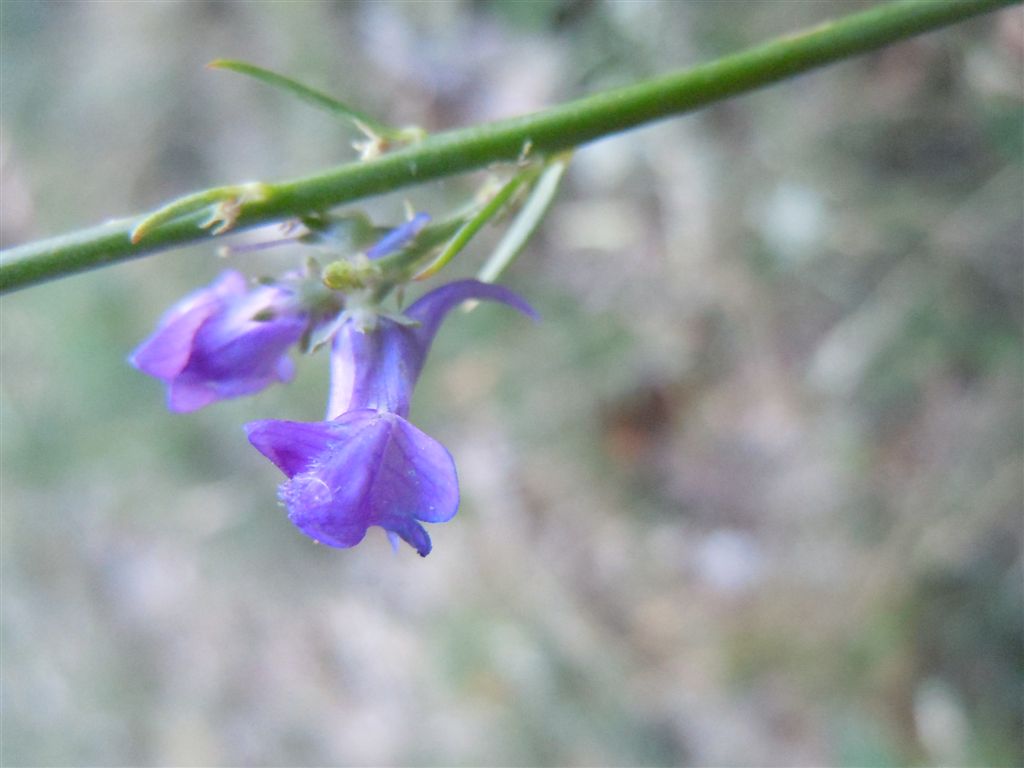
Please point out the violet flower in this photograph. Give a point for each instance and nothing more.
(223, 341)
(367, 465)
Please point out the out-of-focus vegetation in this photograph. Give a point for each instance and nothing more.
(750, 494)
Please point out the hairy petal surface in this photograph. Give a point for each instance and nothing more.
(364, 468)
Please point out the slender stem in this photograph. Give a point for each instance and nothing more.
(543, 133)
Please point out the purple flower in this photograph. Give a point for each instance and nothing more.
(367, 465)
(363, 468)
(223, 341)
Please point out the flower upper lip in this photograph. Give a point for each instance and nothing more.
(379, 368)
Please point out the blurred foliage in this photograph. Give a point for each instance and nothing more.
(749, 494)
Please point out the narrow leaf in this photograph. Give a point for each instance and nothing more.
(526, 221)
(473, 225)
(362, 121)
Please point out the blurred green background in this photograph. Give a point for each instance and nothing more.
(750, 494)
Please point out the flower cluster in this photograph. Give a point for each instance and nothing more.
(366, 464)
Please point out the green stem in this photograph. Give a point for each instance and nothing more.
(554, 130)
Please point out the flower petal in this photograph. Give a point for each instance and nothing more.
(224, 341)
(432, 307)
(330, 500)
(232, 346)
(166, 352)
(364, 468)
(409, 531)
(311, 509)
(373, 368)
(185, 397)
(378, 367)
(292, 445)
(418, 475)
